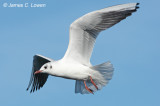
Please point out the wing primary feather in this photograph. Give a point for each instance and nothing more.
(37, 81)
(31, 79)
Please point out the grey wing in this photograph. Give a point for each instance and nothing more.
(84, 31)
(38, 80)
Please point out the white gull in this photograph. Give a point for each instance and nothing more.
(76, 62)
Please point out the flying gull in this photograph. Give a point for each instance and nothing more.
(76, 64)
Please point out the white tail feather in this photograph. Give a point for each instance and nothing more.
(101, 76)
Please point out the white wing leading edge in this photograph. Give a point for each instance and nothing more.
(84, 31)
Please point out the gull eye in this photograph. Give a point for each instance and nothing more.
(50, 67)
(45, 67)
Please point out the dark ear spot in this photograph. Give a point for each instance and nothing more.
(45, 67)
(50, 67)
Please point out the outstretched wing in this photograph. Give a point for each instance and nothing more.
(38, 80)
(84, 31)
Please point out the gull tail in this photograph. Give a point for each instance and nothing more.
(101, 75)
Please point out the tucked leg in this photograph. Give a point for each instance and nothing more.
(93, 83)
(87, 88)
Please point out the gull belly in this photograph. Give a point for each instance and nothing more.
(71, 70)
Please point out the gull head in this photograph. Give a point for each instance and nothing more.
(46, 68)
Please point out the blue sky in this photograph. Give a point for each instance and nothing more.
(133, 47)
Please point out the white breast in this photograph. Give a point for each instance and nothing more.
(70, 70)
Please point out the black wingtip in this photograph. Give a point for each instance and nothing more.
(137, 5)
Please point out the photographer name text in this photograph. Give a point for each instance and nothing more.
(24, 5)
